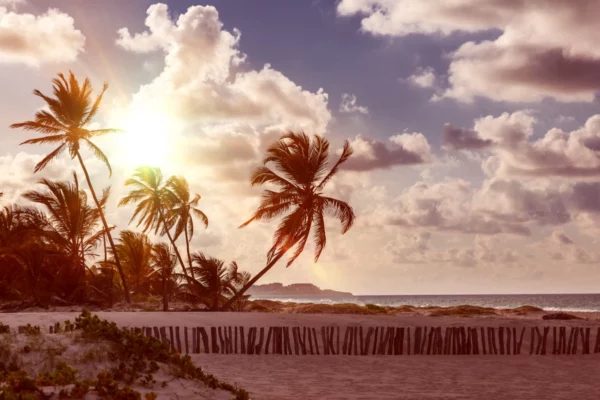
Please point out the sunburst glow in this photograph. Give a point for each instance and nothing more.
(147, 139)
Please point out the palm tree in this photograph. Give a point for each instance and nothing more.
(164, 262)
(185, 208)
(300, 175)
(70, 111)
(135, 251)
(71, 223)
(154, 201)
(214, 280)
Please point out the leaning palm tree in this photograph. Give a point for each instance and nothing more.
(154, 201)
(183, 212)
(69, 112)
(300, 175)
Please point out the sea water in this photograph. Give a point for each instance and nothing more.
(550, 302)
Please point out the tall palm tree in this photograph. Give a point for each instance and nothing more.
(154, 201)
(300, 175)
(69, 112)
(184, 211)
(164, 263)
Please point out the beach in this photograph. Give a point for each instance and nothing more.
(280, 377)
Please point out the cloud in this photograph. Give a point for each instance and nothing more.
(463, 139)
(34, 40)
(405, 149)
(541, 51)
(201, 81)
(415, 248)
(11, 3)
(16, 173)
(514, 202)
(560, 238)
(446, 206)
(349, 105)
(423, 78)
(556, 154)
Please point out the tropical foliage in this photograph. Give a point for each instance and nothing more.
(53, 241)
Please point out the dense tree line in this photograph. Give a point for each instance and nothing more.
(58, 248)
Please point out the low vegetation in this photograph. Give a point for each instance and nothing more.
(462, 311)
(560, 316)
(112, 363)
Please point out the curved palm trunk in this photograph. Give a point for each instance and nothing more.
(105, 224)
(187, 246)
(162, 219)
(252, 281)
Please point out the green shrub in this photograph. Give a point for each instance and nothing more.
(376, 309)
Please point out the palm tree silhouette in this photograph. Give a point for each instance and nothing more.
(135, 251)
(214, 280)
(164, 263)
(70, 111)
(71, 223)
(154, 201)
(300, 175)
(183, 212)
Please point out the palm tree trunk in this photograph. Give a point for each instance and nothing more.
(252, 281)
(164, 290)
(187, 246)
(162, 219)
(105, 224)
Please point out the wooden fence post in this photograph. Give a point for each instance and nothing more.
(185, 334)
(171, 336)
(213, 340)
(316, 340)
(586, 340)
(178, 339)
(417, 349)
(242, 341)
(544, 339)
(261, 339)
(575, 340)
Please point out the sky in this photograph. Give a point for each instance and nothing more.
(475, 126)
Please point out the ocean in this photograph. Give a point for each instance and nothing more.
(549, 302)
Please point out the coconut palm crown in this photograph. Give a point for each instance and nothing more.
(299, 175)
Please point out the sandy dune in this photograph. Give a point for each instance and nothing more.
(280, 377)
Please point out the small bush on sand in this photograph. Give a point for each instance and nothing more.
(375, 308)
(524, 310)
(346, 308)
(462, 311)
(4, 328)
(560, 316)
(404, 309)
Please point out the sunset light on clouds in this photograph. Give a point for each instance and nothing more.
(475, 127)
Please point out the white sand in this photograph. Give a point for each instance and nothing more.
(281, 377)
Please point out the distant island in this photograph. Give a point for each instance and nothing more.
(295, 289)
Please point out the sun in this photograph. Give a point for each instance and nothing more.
(147, 139)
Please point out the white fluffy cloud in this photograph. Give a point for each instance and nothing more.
(201, 80)
(30, 39)
(349, 105)
(423, 78)
(545, 49)
(557, 153)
